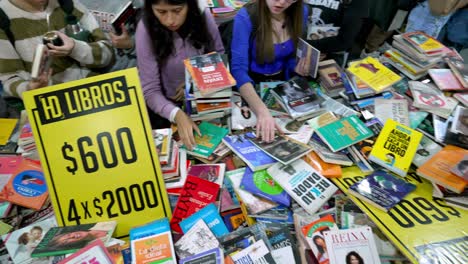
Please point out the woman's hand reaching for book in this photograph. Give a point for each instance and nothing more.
(186, 126)
(266, 126)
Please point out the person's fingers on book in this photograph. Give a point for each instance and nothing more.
(278, 128)
(197, 129)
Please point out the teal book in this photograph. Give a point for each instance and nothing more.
(344, 133)
(211, 136)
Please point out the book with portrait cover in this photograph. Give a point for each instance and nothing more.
(313, 234)
(438, 168)
(260, 183)
(209, 73)
(69, 239)
(395, 147)
(374, 73)
(253, 156)
(354, 245)
(282, 148)
(195, 194)
(94, 252)
(382, 189)
(344, 132)
(211, 136)
(303, 183)
(26, 186)
(152, 243)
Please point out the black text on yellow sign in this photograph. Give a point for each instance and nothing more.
(97, 151)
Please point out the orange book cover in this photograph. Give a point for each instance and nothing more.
(27, 186)
(326, 169)
(437, 169)
(209, 73)
(209, 107)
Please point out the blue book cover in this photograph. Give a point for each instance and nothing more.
(382, 189)
(153, 228)
(212, 256)
(260, 183)
(254, 157)
(211, 216)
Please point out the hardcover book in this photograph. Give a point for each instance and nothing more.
(152, 243)
(95, 252)
(351, 245)
(197, 240)
(382, 189)
(344, 133)
(196, 194)
(282, 149)
(209, 73)
(374, 73)
(395, 147)
(305, 185)
(211, 136)
(253, 156)
(69, 239)
(26, 186)
(211, 216)
(437, 169)
(261, 184)
(212, 256)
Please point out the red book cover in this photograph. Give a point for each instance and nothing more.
(26, 187)
(196, 194)
(209, 73)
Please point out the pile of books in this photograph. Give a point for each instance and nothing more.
(208, 87)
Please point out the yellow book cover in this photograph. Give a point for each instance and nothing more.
(424, 228)
(374, 73)
(7, 125)
(422, 41)
(395, 147)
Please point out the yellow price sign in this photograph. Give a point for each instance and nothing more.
(97, 151)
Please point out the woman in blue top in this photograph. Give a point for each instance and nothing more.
(263, 47)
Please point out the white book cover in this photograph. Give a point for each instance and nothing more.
(396, 109)
(355, 245)
(197, 240)
(258, 252)
(427, 96)
(303, 183)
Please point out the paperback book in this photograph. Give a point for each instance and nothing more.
(396, 109)
(95, 252)
(445, 80)
(206, 143)
(327, 155)
(395, 147)
(374, 73)
(212, 256)
(126, 16)
(382, 189)
(282, 148)
(305, 185)
(344, 133)
(258, 252)
(261, 184)
(211, 216)
(210, 172)
(460, 69)
(197, 239)
(313, 233)
(422, 42)
(308, 56)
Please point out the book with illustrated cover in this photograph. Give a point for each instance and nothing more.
(305, 185)
(26, 186)
(242, 116)
(195, 194)
(126, 16)
(427, 96)
(438, 168)
(330, 72)
(152, 243)
(445, 80)
(280, 237)
(426, 149)
(322, 120)
(326, 154)
(374, 73)
(162, 139)
(297, 97)
(395, 147)
(266, 86)
(69, 239)
(313, 233)
(220, 152)
(253, 204)
(20, 243)
(211, 136)
(210, 172)
(282, 149)
(95, 252)
(209, 73)
(461, 169)
(460, 69)
(422, 41)
(240, 239)
(260, 183)
(253, 156)
(212, 256)
(197, 239)
(346, 246)
(396, 109)
(229, 199)
(308, 56)
(382, 189)
(344, 132)
(258, 252)
(212, 218)
(7, 126)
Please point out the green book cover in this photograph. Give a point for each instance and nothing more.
(344, 132)
(211, 136)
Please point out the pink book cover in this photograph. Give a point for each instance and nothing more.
(445, 79)
(95, 253)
